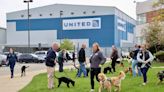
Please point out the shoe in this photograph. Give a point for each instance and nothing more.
(143, 84)
(92, 90)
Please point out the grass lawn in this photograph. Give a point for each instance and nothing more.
(130, 84)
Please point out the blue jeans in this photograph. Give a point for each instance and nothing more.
(82, 69)
(134, 65)
(144, 72)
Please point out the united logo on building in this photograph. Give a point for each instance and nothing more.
(85, 23)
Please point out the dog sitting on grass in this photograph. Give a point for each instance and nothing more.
(66, 81)
(160, 76)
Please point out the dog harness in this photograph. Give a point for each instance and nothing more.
(108, 79)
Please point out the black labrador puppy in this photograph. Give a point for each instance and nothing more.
(65, 80)
(23, 70)
(106, 69)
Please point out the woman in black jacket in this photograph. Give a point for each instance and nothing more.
(114, 57)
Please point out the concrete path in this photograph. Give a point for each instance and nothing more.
(17, 83)
(14, 85)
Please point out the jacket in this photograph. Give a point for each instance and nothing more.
(81, 55)
(143, 57)
(97, 59)
(50, 58)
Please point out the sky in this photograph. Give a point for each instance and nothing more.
(127, 6)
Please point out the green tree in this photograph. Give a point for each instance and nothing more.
(67, 44)
(154, 32)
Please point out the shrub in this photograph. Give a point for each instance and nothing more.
(160, 56)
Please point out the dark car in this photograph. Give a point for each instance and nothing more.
(30, 58)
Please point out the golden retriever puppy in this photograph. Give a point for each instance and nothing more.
(104, 82)
(116, 81)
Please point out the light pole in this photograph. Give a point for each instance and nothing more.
(28, 19)
(61, 13)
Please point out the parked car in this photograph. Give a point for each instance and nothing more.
(30, 58)
(17, 53)
(3, 60)
(41, 54)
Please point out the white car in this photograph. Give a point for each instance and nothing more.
(3, 60)
(41, 54)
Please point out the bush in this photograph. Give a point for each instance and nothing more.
(160, 56)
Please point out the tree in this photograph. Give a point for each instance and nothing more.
(67, 44)
(154, 33)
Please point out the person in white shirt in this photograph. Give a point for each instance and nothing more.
(144, 58)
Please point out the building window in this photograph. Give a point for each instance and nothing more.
(84, 12)
(50, 14)
(40, 15)
(22, 16)
(141, 18)
(72, 13)
(93, 12)
(30, 15)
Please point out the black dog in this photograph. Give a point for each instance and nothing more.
(160, 76)
(65, 80)
(23, 70)
(107, 69)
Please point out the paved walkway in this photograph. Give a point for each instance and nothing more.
(159, 67)
(17, 83)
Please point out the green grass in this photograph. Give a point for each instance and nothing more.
(130, 84)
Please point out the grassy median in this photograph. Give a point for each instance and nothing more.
(130, 84)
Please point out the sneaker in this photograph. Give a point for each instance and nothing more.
(143, 84)
(92, 90)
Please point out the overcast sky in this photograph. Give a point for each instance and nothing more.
(127, 6)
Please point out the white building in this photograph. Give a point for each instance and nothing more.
(2, 38)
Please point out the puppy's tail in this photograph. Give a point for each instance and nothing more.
(27, 66)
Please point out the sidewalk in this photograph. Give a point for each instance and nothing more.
(159, 67)
(17, 83)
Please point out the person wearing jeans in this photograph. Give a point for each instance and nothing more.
(144, 58)
(135, 62)
(82, 60)
(97, 59)
(12, 58)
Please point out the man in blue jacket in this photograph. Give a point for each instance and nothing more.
(12, 58)
(135, 62)
(50, 63)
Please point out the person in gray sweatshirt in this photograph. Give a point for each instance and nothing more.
(96, 60)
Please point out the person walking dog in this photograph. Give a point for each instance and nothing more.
(144, 58)
(96, 60)
(82, 61)
(135, 62)
(50, 63)
(12, 58)
(114, 57)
